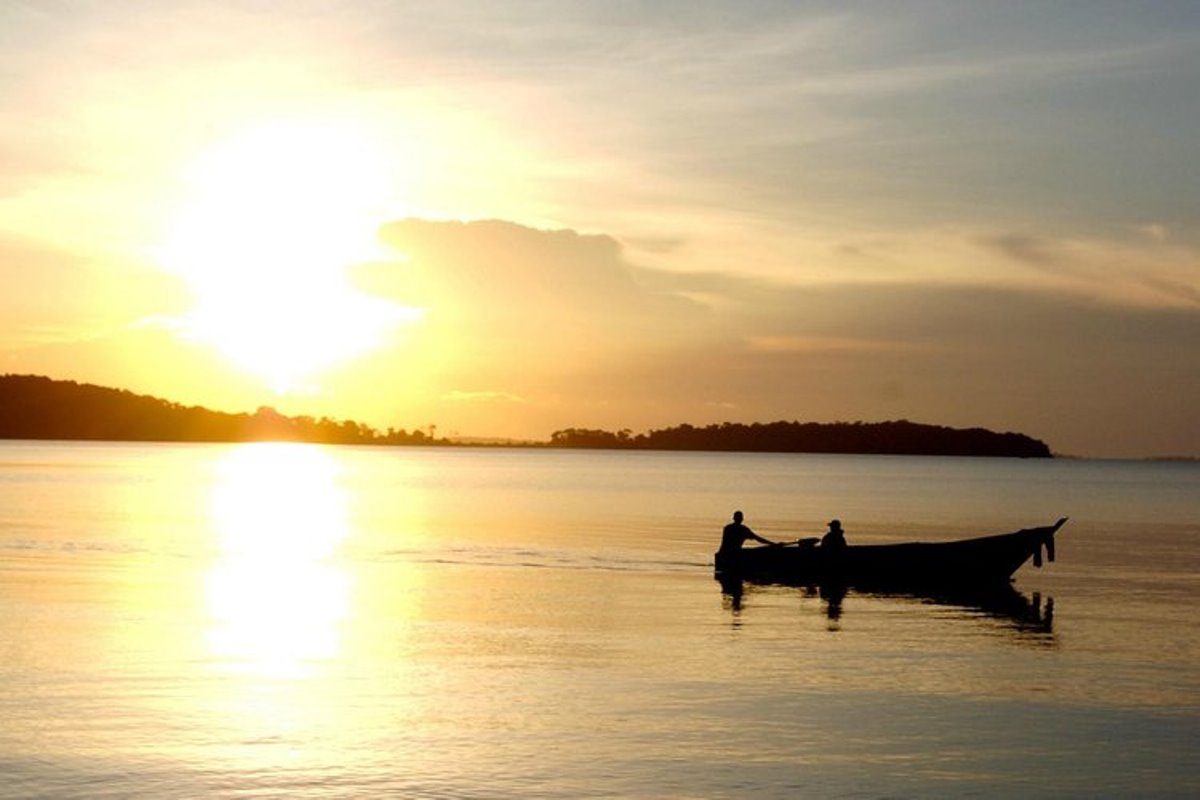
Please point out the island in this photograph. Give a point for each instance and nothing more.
(899, 437)
(38, 407)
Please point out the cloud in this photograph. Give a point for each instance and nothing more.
(493, 284)
(1023, 247)
(584, 336)
(808, 204)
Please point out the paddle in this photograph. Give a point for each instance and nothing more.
(811, 540)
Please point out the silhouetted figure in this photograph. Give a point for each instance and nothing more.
(834, 538)
(732, 589)
(833, 595)
(735, 535)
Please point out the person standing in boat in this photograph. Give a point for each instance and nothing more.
(735, 535)
(834, 538)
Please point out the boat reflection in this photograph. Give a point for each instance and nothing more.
(1028, 617)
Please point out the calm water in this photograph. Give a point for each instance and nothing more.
(289, 620)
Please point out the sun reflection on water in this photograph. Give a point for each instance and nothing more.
(275, 598)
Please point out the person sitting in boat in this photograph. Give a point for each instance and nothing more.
(834, 538)
(735, 535)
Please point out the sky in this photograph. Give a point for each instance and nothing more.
(506, 219)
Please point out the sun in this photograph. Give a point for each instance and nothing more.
(273, 218)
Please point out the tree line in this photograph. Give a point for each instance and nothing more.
(36, 407)
(899, 437)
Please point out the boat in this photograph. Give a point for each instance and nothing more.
(982, 561)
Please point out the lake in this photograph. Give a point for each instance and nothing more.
(267, 620)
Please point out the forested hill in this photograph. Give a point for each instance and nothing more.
(882, 438)
(35, 407)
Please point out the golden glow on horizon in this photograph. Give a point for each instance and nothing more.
(275, 599)
(273, 219)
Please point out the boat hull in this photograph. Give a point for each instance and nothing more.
(981, 561)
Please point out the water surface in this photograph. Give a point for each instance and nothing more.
(267, 620)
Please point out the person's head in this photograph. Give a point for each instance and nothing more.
(737, 516)
(835, 524)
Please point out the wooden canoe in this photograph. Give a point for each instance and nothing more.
(986, 560)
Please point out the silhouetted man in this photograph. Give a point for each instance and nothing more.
(834, 538)
(735, 535)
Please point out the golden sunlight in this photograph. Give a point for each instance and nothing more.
(275, 598)
(273, 218)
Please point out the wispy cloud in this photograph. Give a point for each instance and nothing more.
(1023, 247)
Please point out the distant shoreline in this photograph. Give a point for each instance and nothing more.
(469, 444)
(38, 408)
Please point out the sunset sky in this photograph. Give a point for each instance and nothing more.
(504, 219)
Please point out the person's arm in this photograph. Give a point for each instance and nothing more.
(758, 538)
